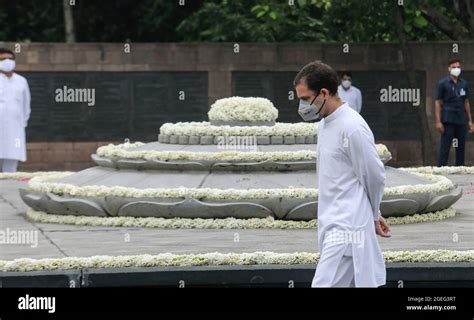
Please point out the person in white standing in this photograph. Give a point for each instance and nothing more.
(348, 93)
(14, 113)
(351, 180)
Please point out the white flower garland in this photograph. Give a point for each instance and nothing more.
(441, 170)
(425, 256)
(206, 129)
(243, 109)
(170, 223)
(440, 184)
(423, 217)
(223, 223)
(122, 151)
(41, 184)
(29, 175)
(216, 259)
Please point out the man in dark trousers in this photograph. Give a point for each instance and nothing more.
(453, 114)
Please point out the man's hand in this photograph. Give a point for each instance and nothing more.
(439, 126)
(382, 228)
(470, 127)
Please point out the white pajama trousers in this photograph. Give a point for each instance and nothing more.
(335, 268)
(8, 165)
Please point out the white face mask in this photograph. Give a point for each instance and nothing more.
(7, 65)
(455, 72)
(308, 111)
(346, 84)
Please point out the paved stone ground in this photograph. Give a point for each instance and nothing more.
(66, 240)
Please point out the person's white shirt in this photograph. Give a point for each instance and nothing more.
(352, 96)
(14, 114)
(351, 179)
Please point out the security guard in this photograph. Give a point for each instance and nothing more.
(453, 114)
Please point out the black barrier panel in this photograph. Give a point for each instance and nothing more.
(276, 86)
(42, 279)
(389, 120)
(399, 275)
(126, 104)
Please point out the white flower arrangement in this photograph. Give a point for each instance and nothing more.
(382, 151)
(116, 151)
(170, 223)
(41, 184)
(424, 217)
(243, 109)
(122, 151)
(440, 184)
(216, 259)
(441, 170)
(29, 175)
(222, 223)
(206, 129)
(426, 256)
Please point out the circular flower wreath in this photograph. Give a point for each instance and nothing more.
(44, 184)
(123, 151)
(218, 223)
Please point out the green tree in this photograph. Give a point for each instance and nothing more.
(454, 18)
(328, 20)
(257, 21)
(24, 20)
(94, 21)
(242, 20)
(374, 20)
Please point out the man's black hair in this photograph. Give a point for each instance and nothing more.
(346, 73)
(453, 60)
(317, 75)
(5, 50)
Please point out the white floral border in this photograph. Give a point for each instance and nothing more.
(206, 129)
(29, 175)
(122, 151)
(41, 184)
(222, 223)
(170, 223)
(441, 170)
(243, 109)
(217, 259)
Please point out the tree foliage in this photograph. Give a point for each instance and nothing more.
(231, 20)
(257, 21)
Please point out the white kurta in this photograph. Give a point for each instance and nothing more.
(14, 114)
(352, 96)
(351, 179)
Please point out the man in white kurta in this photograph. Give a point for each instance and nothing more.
(348, 93)
(14, 113)
(351, 180)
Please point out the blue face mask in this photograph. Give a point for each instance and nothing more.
(310, 112)
(7, 65)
